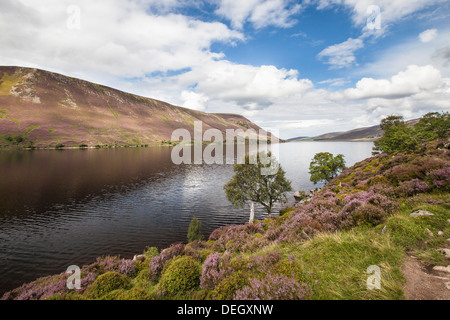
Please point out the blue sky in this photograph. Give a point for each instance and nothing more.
(299, 68)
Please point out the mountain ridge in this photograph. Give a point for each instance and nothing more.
(39, 108)
(371, 133)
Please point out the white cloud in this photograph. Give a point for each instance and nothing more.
(261, 13)
(336, 82)
(115, 37)
(428, 35)
(343, 54)
(193, 100)
(391, 11)
(251, 87)
(413, 80)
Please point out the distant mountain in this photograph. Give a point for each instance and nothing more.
(44, 109)
(361, 134)
(296, 138)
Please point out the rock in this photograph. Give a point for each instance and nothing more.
(440, 233)
(441, 268)
(430, 232)
(448, 221)
(300, 195)
(420, 213)
(138, 257)
(445, 251)
(384, 230)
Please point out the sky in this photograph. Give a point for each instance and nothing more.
(296, 68)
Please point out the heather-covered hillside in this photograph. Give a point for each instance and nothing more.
(44, 109)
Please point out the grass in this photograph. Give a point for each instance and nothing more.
(339, 261)
(7, 82)
(114, 114)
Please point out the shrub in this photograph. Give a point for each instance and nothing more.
(273, 287)
(227, 288)
(369, 214)
(194, 232)
(180, 275)
(441, 179)
(412, 187)
(214, 270)
(151, 252)
(378, 180)
(106, 283)
(157, 263)
(134, 294)
(127, 267)
(67, 296)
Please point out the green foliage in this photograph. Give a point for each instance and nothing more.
(226, 289)
(369, 214)
(59, 146)
(181, 275)
(195, 232)
(250, 183)
(325, 167)
(133, 294)
(107, 283)
(398, 136)
(14, 139)
(286, 211)
(151, 252)
(433, 125)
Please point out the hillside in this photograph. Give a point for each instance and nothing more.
(388, 213)
(42, 109)
(360, 134)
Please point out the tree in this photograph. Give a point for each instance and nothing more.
(194, 232)
(250, 184)
(433, 125)
(325, 167)
(398, 136)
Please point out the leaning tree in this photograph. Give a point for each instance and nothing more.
(254, 183)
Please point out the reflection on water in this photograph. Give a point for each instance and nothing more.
(59, 208)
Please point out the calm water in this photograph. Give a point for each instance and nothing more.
(61, 208)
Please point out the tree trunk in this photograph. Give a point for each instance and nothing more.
(252, 212)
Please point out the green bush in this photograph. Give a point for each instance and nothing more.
(181, 275)
(107, 283)
(226, 289)
(369, 214)
(151, 252)
(134, 294)
(67, 296)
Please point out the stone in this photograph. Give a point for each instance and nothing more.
(420, 213)
(430, 232)
(138, 257)
(384, 230)
(441, 268)
(440, 233)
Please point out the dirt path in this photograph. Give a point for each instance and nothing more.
(425, 283)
